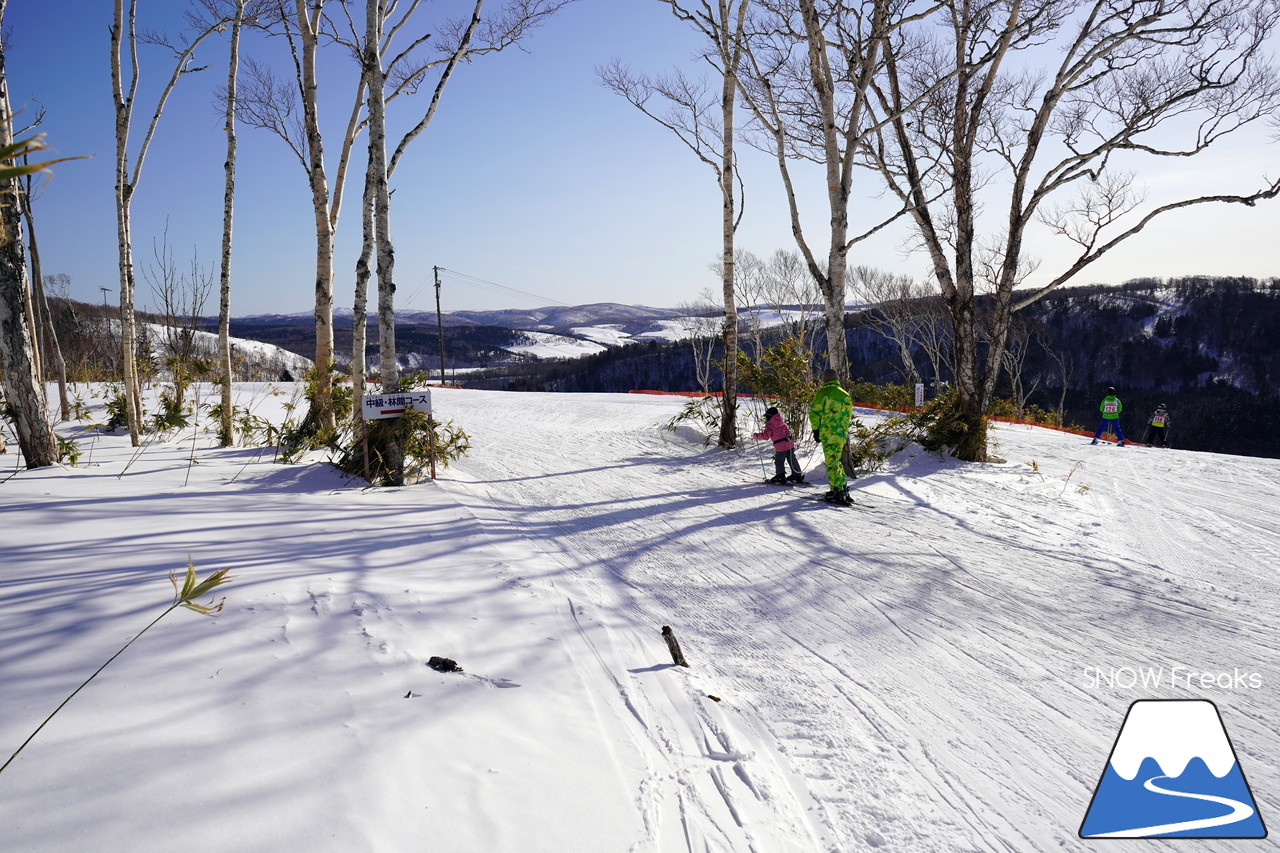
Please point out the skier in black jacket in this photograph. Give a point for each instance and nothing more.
(1158, 427)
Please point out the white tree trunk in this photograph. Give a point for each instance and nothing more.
(360, 322)
(226, 428)
(377, 111)
(377, 177)
(729, 45)
(124, 194)
(126, 182)
(309, 33)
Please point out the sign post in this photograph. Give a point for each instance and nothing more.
(379, 406)
(919, 395)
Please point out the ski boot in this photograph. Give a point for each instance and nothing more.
(839, 497)
(797, 478)
(777, 480)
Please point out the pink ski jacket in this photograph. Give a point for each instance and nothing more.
(776, 431)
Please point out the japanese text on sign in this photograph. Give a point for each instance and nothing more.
(377, 406)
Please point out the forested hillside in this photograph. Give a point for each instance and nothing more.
(1206, 347)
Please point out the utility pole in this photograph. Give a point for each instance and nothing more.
(105, 291)
(439, 324)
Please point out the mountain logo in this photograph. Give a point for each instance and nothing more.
(1172, 773)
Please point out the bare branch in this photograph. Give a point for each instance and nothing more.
(267, 103)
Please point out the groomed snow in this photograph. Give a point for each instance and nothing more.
(934, 671)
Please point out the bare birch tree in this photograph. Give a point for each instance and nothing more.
(892, 311)
(384, 81)
(376, 179)
(239, 12)
(698, 319)
(182, 297)
(24, 390)
(291, 110)
(692, 116)
(226, 426)
(811, 67)
(46, 338)
(1022, 334)
(1130, 82)
(124, 86)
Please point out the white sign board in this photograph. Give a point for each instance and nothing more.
(377, 406)
(919, 394)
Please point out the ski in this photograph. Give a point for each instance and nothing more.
(818, 499)
(804, 485)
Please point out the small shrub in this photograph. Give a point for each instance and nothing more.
(784, 374)
(888, 396)
(940, 424)
(871, 448)
(80, 410)
(117, 409)
(172, 414)
(422, 439)
(702, 412)
(187, 596)
(426, 440)
(1042, 416)
(68, 451)
(297, 438)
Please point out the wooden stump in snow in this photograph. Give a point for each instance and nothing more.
(673, 645)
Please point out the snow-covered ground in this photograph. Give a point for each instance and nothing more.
(592, 339)
(944, 668)
(549, 345)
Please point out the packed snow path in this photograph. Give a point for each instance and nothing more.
(928, 663)
(945, 669)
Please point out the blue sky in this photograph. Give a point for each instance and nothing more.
(532, 176)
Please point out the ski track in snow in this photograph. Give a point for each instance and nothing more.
(909, 677)
(901, 660)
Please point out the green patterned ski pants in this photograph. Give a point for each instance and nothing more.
(831, 451)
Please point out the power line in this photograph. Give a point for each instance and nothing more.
(501, 289)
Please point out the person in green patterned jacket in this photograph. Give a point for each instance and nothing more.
(830, 414)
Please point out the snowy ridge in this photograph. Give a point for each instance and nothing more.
(1172, 733)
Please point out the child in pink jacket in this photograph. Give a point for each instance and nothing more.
(784, 449)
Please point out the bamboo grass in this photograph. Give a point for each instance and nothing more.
(191, 590)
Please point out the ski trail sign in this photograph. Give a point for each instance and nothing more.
(376, 406)
(1172, 773)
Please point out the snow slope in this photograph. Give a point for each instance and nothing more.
(549, 345)
(933, 671)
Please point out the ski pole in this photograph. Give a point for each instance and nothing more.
(764, 472)
(811, 457)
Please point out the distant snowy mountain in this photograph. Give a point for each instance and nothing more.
(485, 338)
